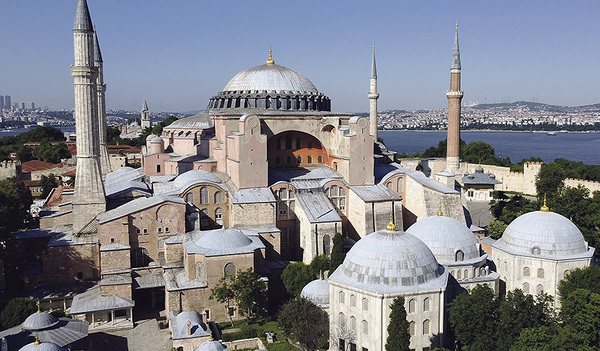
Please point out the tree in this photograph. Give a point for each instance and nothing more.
(338, 253)
(319, 265)
(250, 292)
(398, 329)
(295, 277)
(473, 317)
(15, 201)
(223, 293)
(112, 135)
(587, 278)
(24, 153)
(16, 311)
(583, 210)
(304, 322)
(48, 182)
(496, 228)
(580, 312)
(550, 180)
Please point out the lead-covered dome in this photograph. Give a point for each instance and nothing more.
(270, 87)
(211, 345)
(389, 261)
(317, 292)
(39, 321)
(447, 238)
(543, 233)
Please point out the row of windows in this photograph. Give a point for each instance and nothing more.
(464, 274)
(309, 159)
(159, 230)
(337, 195)
(218, 197)
(399, 185)
(540, 272)
(364, 326)
(412, 305)
(412, 326)
(538, 289)
(342, 300)
(289, 144)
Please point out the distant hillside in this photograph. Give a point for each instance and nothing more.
(535, 106)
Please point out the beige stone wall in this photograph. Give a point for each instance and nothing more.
(58, 220)
(189, 344)
(588, 184)
(253, 214)
(117, 259)
(123, 290)
(10, 169)
(62, 264)
(193, 195)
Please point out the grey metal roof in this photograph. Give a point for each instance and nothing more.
(270, 77)
(389, 262)
(180, 322)
(220, 242)
(446, 236)
(553, 235)
(125, 179)
(375, 193)
(152, 280)
(93, 301)
(419, 177)
(252, 195)
(43, 346)
(199, 121)
(456, 52)
(317, 207)
(177, 279)
(83, 22)
(39, 320)
(137, 205)
(211, 345)
(66, 238)
(65, 332)
(303, 174)
(116, 280)
(114, 247)
(480, 178)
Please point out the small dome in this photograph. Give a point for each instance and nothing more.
(389, 258)
(42, 346)
(270, 78)
(211, 345)
(39, 321)
(445, 237)
(317, 292)
(195, 176)
(156, 140)
(479, 169)
(223, 239)
(151, 137)
(543, 233)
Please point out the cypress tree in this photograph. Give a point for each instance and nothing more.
(337, 252)
(398, 330)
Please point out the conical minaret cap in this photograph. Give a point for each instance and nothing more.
(373, 65)
(145, 107)
(83, 21)
(456, 53)
(97, 52)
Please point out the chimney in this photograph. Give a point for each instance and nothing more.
(189, 328)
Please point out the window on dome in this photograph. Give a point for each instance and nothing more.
(189, 198)
(298, 143)
(466, 276)
(299, 159)
(320, 158)
(535, 251)
(218, 197)
(204, 195)
(540, 273)
(459, 275)
(219, 216)
(278, 144)
(309, 159)
(526, 271)
(460, 256)
(400, 184)
(389, 185)
(288, 142)
(309, 145)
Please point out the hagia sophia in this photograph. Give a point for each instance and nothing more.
(267, 175)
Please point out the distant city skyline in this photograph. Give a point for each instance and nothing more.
(177, 55)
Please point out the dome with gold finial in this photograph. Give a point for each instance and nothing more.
(388, 261)
(270, 86)
(42, 346)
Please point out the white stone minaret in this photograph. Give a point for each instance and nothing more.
(89, 199)
(373, 96)
(145, 120)
(454, 96)
(101, 89)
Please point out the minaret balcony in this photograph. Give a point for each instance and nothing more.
(373, 95)
(454, 93)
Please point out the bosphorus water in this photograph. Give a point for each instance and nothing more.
(581, 147)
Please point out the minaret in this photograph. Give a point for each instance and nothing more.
(89, 199)
(101, 89)
(454, 96)
(145, 120)
(373, 96)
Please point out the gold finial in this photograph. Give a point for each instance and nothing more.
(440, 210)
(391, 227)
(37, 341)
(544, 208)
(211, 335)
(457, 26)
(270, 60)
(38, 306)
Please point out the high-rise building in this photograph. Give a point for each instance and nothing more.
(1, 102)
(7, 103)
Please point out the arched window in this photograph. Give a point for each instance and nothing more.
(460, 256)
(230, 270)
(566, 273)
(288, 159)
(526, 288)
(411, 305)
(426, 327)
(320, 158)
(365, 327)
(278, 144)
(342, 297)
(400, 185)
(539, 289)
(412, 326)
(326, 244)
(526, 271)
(298, 143)
(157, 168)
(277, 160)
(299, 159)
(342, 320)
(204, 195)
(218, 197)
(353, 323)
(189, 198)
(309, 159)
(365, 304)
(337, 195)
(466, 276)
(458, 275)
(540, 273)
(389, 185)
(219, 216)
(426, 304)
(352, 300)
(200, 271)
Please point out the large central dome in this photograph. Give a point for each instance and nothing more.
(271, 78)
(270, 87)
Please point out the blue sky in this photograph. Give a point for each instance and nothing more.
(177, 54)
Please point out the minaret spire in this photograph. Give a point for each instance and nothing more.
(145, 116)
(454, 96)
(373, 96)
(101, 90)
(89, 199)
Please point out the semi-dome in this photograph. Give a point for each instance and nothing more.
(447, 238)
(543, 233)
(195, 176)
(211, 345)
(388, 261)
(271, 87)
(317, 292)
(39, 321)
